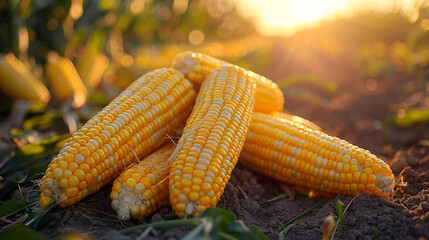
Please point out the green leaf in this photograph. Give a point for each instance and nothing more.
(6, 152)
(194, 234)
(96, 41)
(227, 227)
(13, 4)
(34, 172)
(340, 212)
(311, 97)
(38, 218)
(32, 153)
(240, 231)
(43, 121)
(16, 205)
(98, 98)
(214, 223)
(21, 232)
(413, 117)
(221, 217)
(308, 78)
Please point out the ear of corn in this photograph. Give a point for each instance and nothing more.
(212, 140)
(134, 124)
(143, 188)
(196, 67)
(18, 82)
(296, 154)
(64, 80)
(91, 68)
(296, 119)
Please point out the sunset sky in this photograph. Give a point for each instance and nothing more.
(284, 17)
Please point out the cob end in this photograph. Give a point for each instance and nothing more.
(186, 66)
(124, 204)
(385, 184)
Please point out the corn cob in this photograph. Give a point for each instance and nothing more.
(18, 82)
(196, 67)
(64, 80)
(297, 119)
(134, 124)
(293, 153)
(143, 188)
(91, 69)
(212, 140)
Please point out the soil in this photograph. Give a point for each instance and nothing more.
(354, 115)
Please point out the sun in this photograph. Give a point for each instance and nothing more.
(285, 17)
(281, 16)
(308, 11)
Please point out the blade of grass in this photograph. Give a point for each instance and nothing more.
(344, 213)
(194, 234)
(317, 205)
(283, 233)
(282, 226)
(266, 203)
(340, 212)
(225, 236)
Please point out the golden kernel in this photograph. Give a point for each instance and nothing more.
(72, 192)
(194, 196)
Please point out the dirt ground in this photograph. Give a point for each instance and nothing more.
(353, 118)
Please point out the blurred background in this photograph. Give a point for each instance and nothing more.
(326, 55)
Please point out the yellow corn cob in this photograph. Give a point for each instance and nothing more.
(293, 153)
(135, 123)
(143, 188)
(18, 82)
(212, 140)
(300, 120)
(196, 67)
(64, 80)
(91, 69)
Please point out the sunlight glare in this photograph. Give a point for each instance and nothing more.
(285, 17)
(310, 10)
